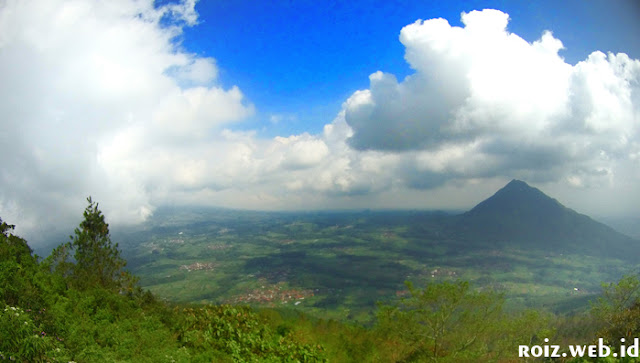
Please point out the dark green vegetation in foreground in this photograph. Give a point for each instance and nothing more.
(80, 304)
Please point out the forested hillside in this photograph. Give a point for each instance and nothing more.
(80, 304)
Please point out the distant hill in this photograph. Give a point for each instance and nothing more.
(524, 215)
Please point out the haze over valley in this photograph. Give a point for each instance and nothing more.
(340, 263)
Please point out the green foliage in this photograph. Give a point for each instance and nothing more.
(22, 340)
(97, 259)
(446, 320)
(449, 321)
(60, 263)
(341, 342)
(18, 266)
(618, 310)
(102, 325)
(239, 332)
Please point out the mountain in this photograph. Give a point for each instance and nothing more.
(521, 214)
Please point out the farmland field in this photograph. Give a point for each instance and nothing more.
(339, 264)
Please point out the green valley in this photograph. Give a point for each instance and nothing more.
(216, 285)
(340, 264)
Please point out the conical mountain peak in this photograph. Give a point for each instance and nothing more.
(521, 214)
(517, 196)
(515, 183)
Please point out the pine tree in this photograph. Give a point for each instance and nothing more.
(97, 258)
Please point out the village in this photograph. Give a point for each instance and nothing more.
(198, 266)
(271, 294)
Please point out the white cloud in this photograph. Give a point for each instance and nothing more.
(484, 102)
(278, 118)
(301, 151)
(97, 99)
(199, 71)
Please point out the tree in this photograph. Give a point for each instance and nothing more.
(444, 321)
(18, 268)
(618, 310)
(97, 258)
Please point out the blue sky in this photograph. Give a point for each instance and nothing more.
(291, 105)
(301, 59)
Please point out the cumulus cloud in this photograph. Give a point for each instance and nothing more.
(98, 98)
(484, 102)
(301, 151)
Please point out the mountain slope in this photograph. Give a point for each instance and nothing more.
(521, 214)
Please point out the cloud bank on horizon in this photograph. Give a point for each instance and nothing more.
(99, 98)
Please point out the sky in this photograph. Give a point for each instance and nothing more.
(294, 106)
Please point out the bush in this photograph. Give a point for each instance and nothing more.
(238, 332)
(22, 340)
